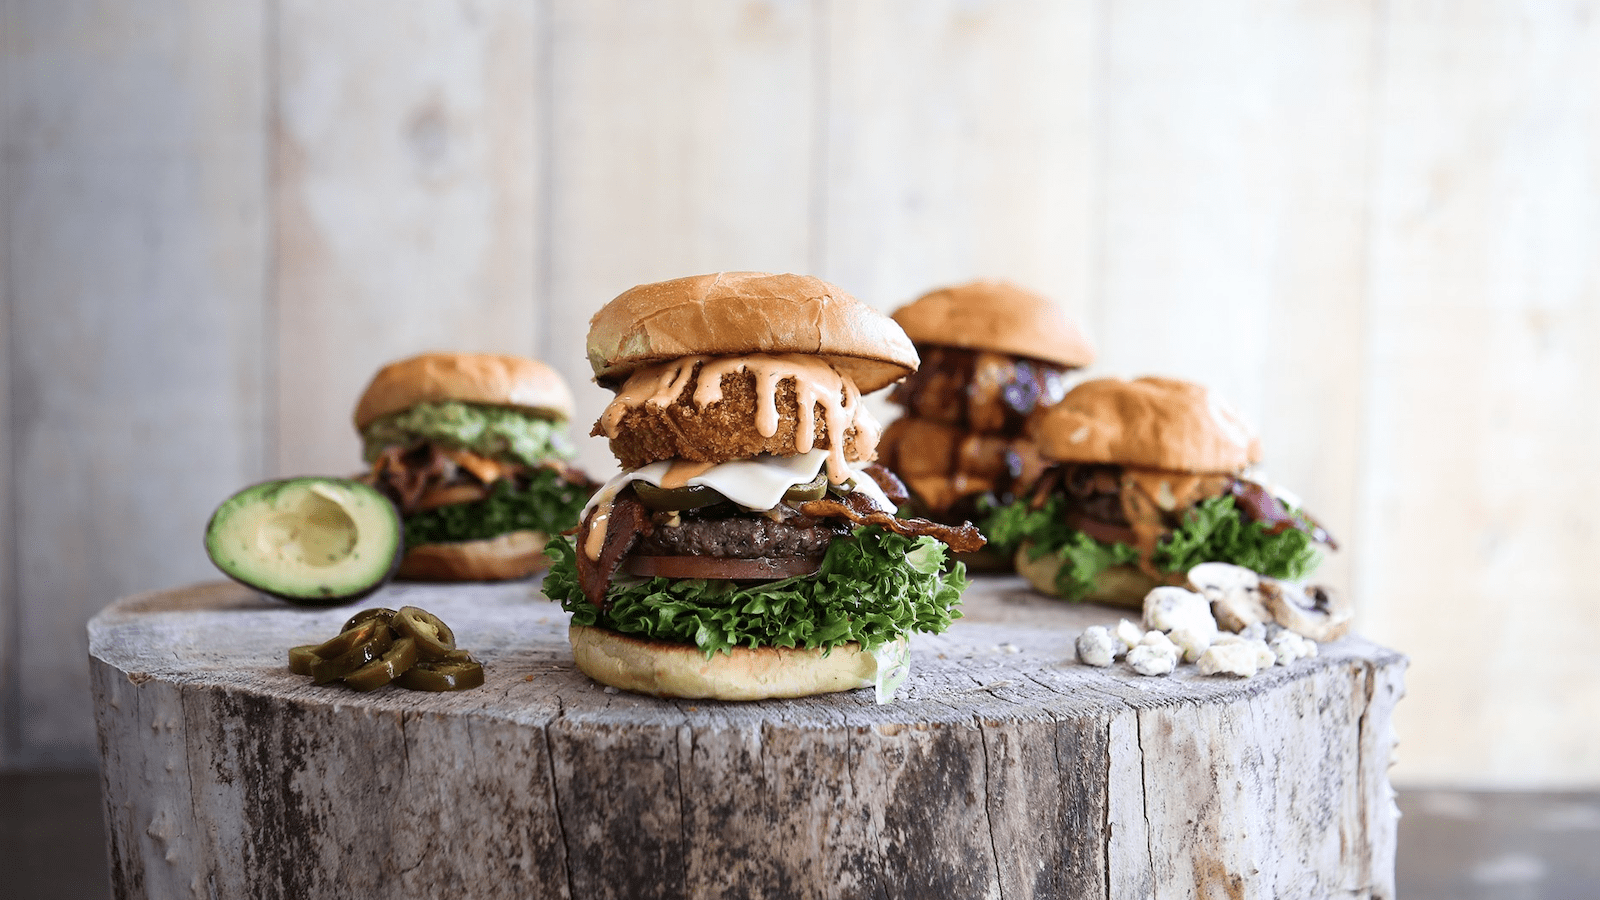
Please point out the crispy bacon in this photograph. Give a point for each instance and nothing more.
(424, 475)
(857, 508)
(628, 521)
(889, 483)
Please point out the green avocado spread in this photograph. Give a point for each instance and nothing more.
(498, 432)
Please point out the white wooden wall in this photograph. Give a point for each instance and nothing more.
(1374, 225)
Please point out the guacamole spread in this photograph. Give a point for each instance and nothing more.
(497, 432)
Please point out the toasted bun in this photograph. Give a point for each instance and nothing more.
(514, 381)
(516, 554)
(735, 313)
(1116, 586)
(1156, 423)
(680, 670)
(997, 316)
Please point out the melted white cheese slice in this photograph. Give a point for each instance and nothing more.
(756, 484)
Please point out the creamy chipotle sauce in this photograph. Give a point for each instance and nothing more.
(816, 382)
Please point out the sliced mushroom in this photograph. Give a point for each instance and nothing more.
(1234, 592)
(1314, 611)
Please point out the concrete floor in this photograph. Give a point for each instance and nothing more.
(1453, 845)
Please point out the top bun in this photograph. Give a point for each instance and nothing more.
(997, 316)
(512, 381)
(1154, 423)
(735, 313)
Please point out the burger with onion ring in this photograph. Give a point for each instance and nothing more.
(750, 547)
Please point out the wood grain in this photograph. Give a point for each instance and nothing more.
(684, 145)
(1005, 768)
(406, 152)
(10, 601)
(1235, 163)
(1481, 485)
(134, 220)
(960, 143)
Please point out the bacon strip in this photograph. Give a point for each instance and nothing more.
(889, 483)
(858, 509)
(629, 521)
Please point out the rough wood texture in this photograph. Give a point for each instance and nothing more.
(1005, 770)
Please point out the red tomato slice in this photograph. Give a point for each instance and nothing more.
(715, 567)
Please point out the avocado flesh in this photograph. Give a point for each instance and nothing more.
(315, 541)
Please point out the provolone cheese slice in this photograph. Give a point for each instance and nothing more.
(756, 484)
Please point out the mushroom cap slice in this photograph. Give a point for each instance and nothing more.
(1234, 592)
(1314, 611)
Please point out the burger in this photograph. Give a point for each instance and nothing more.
(1146, 479)
(750, 548)
(472, 449)
(992, 355)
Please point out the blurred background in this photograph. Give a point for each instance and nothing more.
(1374, 225)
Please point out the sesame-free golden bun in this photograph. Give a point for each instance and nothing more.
(997, 316)
(664, 669)
(489, 379)
(1115, 586)
(515, 554)
(739, 313)
(1153, 423)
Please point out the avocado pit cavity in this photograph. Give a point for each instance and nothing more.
(313, 530)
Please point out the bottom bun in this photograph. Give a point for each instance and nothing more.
(1117, 586)
(515, 554)
(682, 670)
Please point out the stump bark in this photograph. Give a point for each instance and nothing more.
(1006, 769)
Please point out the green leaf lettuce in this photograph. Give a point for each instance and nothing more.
(549, 504)
(870, 590)
(1212, 531)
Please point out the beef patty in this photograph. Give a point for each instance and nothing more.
(742, 536)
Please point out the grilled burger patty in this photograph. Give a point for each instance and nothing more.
(747, 536)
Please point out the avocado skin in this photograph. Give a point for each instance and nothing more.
(260, 491)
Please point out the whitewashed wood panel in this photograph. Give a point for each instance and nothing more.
(1236, 147)
(406, 155)
(683, 143)
(10, 99)
(960, 143)
(1481, 503)
(134, 151)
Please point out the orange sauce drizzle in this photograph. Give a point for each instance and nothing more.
(815, 382)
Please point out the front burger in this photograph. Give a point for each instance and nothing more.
(749, 548)
(472, 448)
(1147, 479)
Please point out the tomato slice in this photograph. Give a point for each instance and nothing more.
(763, 569)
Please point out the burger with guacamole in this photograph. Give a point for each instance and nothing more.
(750, 548)
(1146, 479)
(472, 449)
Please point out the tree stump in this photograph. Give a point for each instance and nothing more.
(1006, 769)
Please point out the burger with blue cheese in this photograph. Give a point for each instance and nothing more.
(750, 548)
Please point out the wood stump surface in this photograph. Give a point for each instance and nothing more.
(1005, 769)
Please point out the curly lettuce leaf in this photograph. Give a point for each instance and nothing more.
(1212, 531)
(549, 504)
(870, 590)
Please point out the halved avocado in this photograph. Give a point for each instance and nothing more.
(311, 541)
